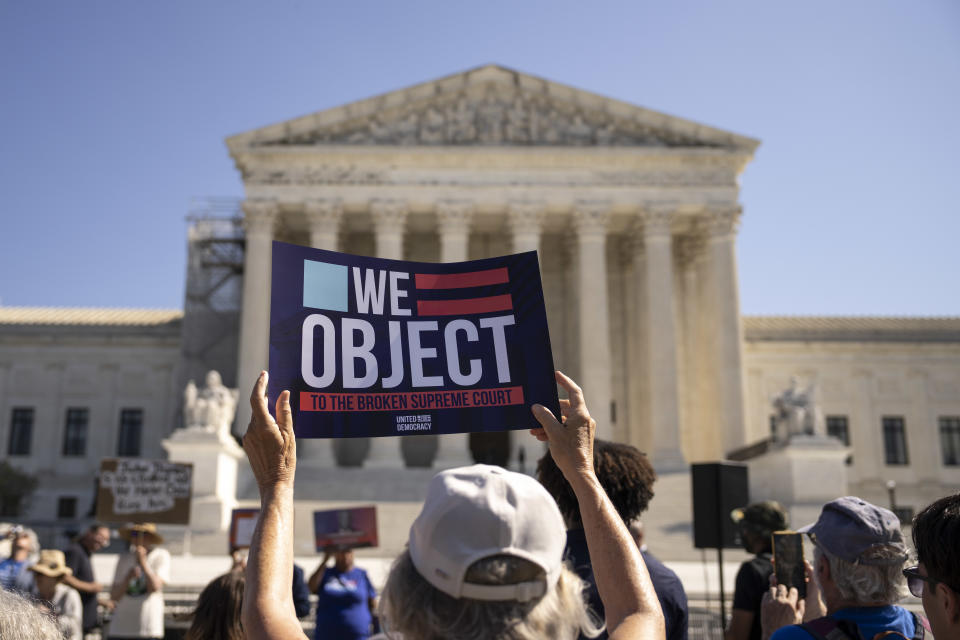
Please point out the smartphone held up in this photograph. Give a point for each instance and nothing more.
(788, 560)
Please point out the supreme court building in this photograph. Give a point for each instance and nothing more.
(634, 214)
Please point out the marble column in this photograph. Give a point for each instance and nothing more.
(726, 330)
(638, 430)
(590, 220)
(661, 369)
(525, 219)
(323, 217)
(323, 222)
(453, 224)
(389, 225)
(259, 216)
(699, 439)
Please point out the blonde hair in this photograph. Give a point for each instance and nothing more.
(21, 619)
(416, 609)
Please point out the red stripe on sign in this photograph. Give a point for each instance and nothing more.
(464, 307)
(410, 401)
(461, 280)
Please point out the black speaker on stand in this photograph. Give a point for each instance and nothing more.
(718, 489)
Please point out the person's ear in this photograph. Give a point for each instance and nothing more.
(950, 601)
(822, 569)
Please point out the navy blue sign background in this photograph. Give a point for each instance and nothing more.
(482, 289)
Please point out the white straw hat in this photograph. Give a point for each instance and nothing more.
(476, 512)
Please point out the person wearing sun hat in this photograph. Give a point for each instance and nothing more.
(138, 584)
(755, 522)
(858, 559)
(63, 601)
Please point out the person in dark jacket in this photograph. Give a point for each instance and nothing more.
(756, 523)
(627, 478)
(301, 595)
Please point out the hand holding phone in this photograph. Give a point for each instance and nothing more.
(788, 561)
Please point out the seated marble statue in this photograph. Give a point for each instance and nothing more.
(211, 408)
(797, 413)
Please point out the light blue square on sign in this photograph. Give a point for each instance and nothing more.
(325, 285)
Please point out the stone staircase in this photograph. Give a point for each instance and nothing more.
(398, 495)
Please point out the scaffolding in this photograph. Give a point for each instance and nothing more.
(211, 312)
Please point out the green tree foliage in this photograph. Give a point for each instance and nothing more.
(16, 487)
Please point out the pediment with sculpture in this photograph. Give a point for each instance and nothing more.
(492, 106)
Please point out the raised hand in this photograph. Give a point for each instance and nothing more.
(270, 444)
(571, 441)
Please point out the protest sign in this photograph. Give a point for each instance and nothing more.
(345, 528)
(134, 490)
(372, 347)
(242, 524)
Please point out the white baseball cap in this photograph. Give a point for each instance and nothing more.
(480, 511)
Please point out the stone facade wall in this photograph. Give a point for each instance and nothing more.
(864, 381)
(103, 369)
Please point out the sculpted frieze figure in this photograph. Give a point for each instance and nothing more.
(210, 409)
(518, 122)
(490, 115)
(380, 133)
(407, 131)
(432, 126)
(499, 116)
(462, 129)
(607, 135)
(551, 126)
(579, 133)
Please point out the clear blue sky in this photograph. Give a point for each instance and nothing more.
(113, 116)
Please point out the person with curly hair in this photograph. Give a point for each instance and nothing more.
(627, 477)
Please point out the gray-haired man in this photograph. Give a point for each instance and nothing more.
(858, 561)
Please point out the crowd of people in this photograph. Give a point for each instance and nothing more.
(62, 586)
(495, 554)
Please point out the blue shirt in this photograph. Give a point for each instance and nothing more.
(14, 575)
(670, 593)
(343, 610)
(870, 620)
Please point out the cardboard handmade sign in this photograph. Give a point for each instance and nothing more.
(242, 524)
(371, 347)
(345, 528)
(133, 490)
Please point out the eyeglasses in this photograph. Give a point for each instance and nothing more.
(915, 581)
